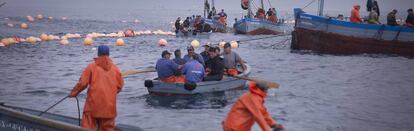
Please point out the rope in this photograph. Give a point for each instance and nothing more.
(53, 105)
(77, 102)
(308, 4)
(263, 37)
(270, 5)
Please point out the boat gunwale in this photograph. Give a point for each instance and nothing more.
(7, 111)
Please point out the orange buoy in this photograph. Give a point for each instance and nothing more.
(87, 41)
(162, 42)
(44, 37)
(31, 40)
(221, 44)
(234, 44)
(24, 26)
(120, 42)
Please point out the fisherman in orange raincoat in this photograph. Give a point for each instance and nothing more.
(105, 82)
(250, 108)
(355, 17)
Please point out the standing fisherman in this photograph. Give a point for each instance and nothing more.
(104, 81)
(249, 109)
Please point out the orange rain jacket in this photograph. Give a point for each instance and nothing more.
(105, 81)
(355, 17)
(248, 109)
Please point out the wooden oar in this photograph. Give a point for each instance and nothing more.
(271, 84)
(132, 72)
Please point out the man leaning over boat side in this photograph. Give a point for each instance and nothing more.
(250, 108)
(231, 59)
(105, 82)
(166, 69)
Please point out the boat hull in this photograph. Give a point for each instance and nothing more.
(330, 43)
(17, 118)
(230, 83)
(258, 27)
(330, 36)
(216, 26)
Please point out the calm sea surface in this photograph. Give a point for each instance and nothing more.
(318, 92)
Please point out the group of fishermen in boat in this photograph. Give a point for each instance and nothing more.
(198, 24)
(104, 81)
(374, 13)
(209, 65)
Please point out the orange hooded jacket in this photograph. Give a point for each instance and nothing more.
(248, 109)
(355, 17)
(105, 81)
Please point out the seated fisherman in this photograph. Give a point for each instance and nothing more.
(193, 70)
(215, 66)
(166, 69)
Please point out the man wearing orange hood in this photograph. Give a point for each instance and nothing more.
(355, 17)
(105, 82)
(250, 108)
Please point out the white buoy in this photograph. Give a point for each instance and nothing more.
(87, 41)
(50, 18)
(64, 42)
(30, 18)
(136, 21)
(2, 45)
(234, 44)
(64, 18)
(120, 42)
(162, 42)
(24, 26)
(10, 25)
(195, 43)
(39, 16)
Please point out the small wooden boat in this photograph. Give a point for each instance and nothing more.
(156, 87)
(23, 119)
(251, 26)
(200, 35)
(216, 26)
(327, 35)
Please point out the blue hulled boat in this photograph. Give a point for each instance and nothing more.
(329, 35)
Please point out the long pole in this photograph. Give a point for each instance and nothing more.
(205, 2)
(261, 2)
(249, 9)
(320, 10)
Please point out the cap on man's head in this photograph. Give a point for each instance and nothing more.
(206, 45)
(190, 47)
(410, 10)
(103, 50)
(227, 45)
(165, 52)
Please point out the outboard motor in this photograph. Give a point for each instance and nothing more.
(148, 83)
